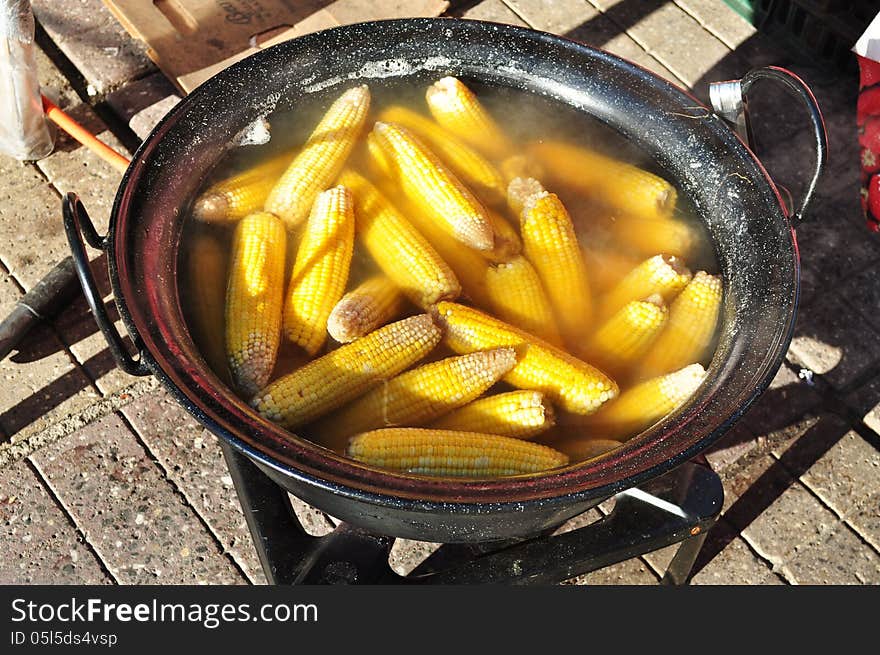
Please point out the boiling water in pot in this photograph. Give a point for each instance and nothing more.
(421, 348)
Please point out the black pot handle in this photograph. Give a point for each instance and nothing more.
(77, 225)
(728, 102)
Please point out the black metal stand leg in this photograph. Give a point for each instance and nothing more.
(348, 555)
(667, 510)
(279, 538)
(679, 507)
(679, 569)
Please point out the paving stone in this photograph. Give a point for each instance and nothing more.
(559, 17)
(719, 19)
(741, 481)
(94, 41)
(72, 167)
(629, 572)
(41, 384)
(838, 258)
(407, 554)
(53, 84)
(762, 49)
(787, 399)
(659, 559)
(865, 520)
(602, 33)
(846, 479)
(75, 168)
(31, 238)
(838, 558)
(736, 443)
(582, 23)
(674, 38)
(736, 565)
(9, 294)
(38, 544)
(862, 292)
(77, 328)
(831, 339)
(581, 520)
(144, 121)
(799, 446)
(490, 10)
(138, 525)
(314, 521)
(142, 103)
(795, 521)
(194, 462)
(866, 402)
(843, 151)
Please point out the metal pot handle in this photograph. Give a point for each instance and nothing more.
(77, 225)
(728, 102)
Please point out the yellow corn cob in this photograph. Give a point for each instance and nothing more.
(627, 188)
(623, 339)
(550, 244)
(644, 404)
(347, 372)
(693, 317)
(321, 158)
(320, 272)
(517, 296)
(468, 265)
(432, 186)
(580, 449)
(206, 264)
(607, 267)
(664, 275)
(452, 453)
(570, 383)
(380, 162)
(244, 193)
(507, 241)
(369, 306)
(254, 297)
(520, 414)
(648, 236)
(470, 166)
(418, 396)
(457, 109)
(521, 189)
(402, 253)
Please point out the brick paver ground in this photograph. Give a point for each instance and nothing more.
(105, 479)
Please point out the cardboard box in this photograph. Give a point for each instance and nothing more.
(191, 40)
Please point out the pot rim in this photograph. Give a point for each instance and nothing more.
(305, 461)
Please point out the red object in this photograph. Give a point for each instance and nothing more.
(868, 122)
(873, 199)
(89, 140)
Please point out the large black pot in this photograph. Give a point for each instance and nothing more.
(752, 234)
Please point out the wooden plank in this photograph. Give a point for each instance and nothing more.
(191, 40)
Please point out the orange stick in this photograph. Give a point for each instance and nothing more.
(89, 140)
